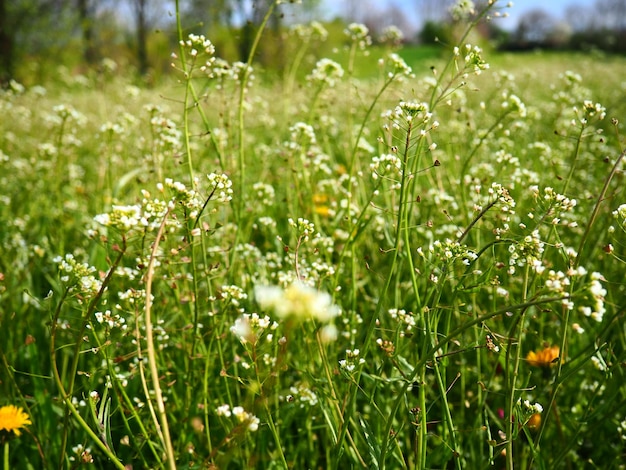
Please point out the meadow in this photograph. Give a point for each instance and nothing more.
(407, 267)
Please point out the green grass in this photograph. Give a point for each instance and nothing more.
(365, 286)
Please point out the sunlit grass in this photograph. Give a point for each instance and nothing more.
(387, 268)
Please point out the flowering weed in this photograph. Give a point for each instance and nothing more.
(424, 269)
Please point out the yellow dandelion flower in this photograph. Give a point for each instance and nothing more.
(13, 419)
(545, 358)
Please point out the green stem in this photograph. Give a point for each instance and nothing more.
(576, 155)
(151, 352)
(596, 208)
(513, 378)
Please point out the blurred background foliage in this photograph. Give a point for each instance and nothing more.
(38, 37)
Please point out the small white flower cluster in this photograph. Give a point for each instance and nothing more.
(315, 29)
(529, 250)
(303, 394)
(557, 204)
(242, 416)
(132, 296)
(111, 128)
(472, 57)
(65, 112)
(620, 215)
(450, 250)
(239, 69)
(529, 407)
(220, 70)
(302, 135)
(351, 361)
(462, 9)
(387, 166)
(391, 35)
(232, 294)
(513, 104)
(79, 276)
(326, 72)
(558, 282)
(264, 193)
(412, 110)
(504, 197)
(300, 300)
(597, 293)
(188, 198)
(146, 216)
(221, 185)
(167, 136)
(359, 33)
(590, 110)
(397, 67)
(195, 43)
(248, 328)
(303, 227)
(81, 454)
(412, 113)
(111, 320)
(403, 317)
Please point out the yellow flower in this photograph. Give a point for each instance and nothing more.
(544, 358)
(13, 419)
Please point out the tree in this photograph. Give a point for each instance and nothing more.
(580, 18)
(29, 27)
(6, 46)
(86, 18)
(433, 10)
(534, 27)
(147, 15)
(612, 13)
(140, 9)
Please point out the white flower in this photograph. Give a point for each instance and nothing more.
(299, 300)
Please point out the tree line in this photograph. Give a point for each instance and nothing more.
(38, 34)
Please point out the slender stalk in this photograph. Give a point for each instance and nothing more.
(596, 208)
(151, 352)
(510, 423)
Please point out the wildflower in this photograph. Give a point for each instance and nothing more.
(300, 300)
(251, 421)
(544, 358)
(221, 186)
(82, 454)
(352, 360)
(326, 72)
(398, 66)
(462, 9)
(359, 34)
(13, 418)
(392, 36)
